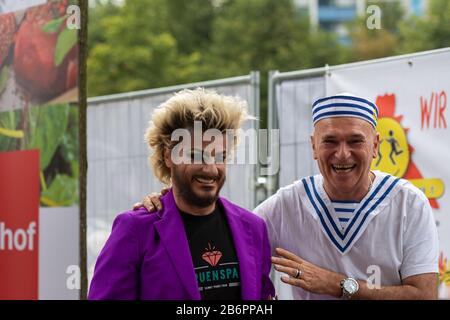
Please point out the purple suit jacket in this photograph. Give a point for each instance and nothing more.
(147, 256)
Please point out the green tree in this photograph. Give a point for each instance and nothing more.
(266, 35)
(98, 12)
(376, 43)
(136, 51)
(400, 34)
(191, 23)
(431, 31)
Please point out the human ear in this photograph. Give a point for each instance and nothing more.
(376, 145)
(167, 158)
(313, 145)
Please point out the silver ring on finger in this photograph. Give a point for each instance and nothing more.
(298, 274)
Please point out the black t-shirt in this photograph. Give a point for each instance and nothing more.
(213, 254)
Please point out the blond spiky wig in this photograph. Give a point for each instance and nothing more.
(180, 111)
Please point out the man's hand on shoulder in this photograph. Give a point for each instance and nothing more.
(152, 201)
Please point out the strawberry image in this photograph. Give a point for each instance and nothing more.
(72, 74)
(7, 29)
(34, 52)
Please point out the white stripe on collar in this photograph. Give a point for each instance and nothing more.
(322, 209)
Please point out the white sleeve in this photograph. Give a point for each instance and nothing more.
(269, 210)
(420, 238)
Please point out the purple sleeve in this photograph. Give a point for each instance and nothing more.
(267, 288)
(116, 271)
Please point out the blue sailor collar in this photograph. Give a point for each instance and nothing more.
(383, 189)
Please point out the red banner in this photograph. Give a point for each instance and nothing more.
(19, 218)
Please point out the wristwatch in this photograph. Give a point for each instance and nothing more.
(349, 287)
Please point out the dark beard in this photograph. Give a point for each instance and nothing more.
(188, 195)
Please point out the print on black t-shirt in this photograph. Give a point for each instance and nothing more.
(213, 255)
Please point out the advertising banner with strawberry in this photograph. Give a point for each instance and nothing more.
(413, 123)
(38, 100)
(38, 84)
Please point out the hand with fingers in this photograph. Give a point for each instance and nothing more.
(306, 275)
(152, 201)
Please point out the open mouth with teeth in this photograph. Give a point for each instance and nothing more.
(205, 180)
(343, 168)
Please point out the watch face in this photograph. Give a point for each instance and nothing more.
(351, 286)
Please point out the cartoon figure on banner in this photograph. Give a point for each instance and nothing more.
(393, 144)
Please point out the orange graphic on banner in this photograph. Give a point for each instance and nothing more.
(444, 269)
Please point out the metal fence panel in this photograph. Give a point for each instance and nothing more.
(292, 105)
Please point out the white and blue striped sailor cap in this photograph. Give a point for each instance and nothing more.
(345, 105)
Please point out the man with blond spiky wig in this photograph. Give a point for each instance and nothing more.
(198, 245)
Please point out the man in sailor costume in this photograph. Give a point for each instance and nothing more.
(350, 232)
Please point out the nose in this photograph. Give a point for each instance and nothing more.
(343, 151)
(210, 169)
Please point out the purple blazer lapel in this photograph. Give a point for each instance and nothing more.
(243, 242)
(173, 237)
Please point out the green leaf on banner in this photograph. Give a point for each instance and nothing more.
(8, 120)
(62, 192)
(69, 143)
(3, 78)
(53, 25)
(46, 127)
(66, 40)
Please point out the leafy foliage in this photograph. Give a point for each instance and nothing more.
(63, 191)
(143, 44)
(418, 34)
(9, 120)
(173, 41)
(46, 127)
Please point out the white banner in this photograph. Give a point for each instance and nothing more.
(413, 96)
(59, 271)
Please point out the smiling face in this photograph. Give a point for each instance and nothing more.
(197, 185)
(344, 148)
